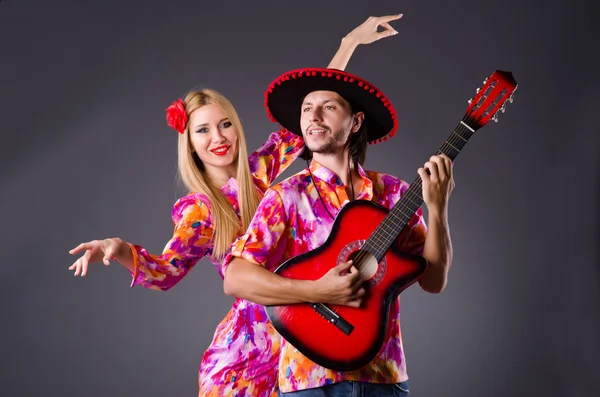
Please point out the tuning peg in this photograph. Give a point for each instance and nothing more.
(503, 108)
(510, 98)
(477, 90)
(485, 81)
(495, 117)
(470, 100)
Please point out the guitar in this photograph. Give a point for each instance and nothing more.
(343, 338)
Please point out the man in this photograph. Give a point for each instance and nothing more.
(338, 114)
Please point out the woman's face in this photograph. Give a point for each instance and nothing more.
(214, 139)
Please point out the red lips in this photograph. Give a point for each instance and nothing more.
(221, 150)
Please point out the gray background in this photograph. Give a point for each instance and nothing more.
(86, 154)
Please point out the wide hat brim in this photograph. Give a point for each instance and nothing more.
(285, 94)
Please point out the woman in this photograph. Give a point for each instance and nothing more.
(225, 186)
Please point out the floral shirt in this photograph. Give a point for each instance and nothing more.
(291, 220)
(243, 355)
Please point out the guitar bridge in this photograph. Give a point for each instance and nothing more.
(333, 318)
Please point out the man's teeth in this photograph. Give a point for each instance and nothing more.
(317, 132)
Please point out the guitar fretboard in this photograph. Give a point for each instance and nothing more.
(399, 216)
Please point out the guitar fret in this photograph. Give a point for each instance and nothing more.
(408, 198)
(448, 143)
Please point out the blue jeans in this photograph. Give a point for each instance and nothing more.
(353, 389)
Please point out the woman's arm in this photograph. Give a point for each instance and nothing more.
(366, 33)
(191, 241)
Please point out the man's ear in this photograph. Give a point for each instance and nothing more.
(358, 119)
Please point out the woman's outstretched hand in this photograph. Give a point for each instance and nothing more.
(96, 251)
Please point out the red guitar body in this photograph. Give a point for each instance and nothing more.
(319, 339)
(343, 338)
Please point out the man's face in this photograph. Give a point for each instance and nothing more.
(326, 122)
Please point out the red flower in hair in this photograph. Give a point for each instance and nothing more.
(176, 116)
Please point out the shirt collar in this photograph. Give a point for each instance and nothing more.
(323, 173)
(230, 190)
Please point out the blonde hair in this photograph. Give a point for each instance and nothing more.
(226, 224)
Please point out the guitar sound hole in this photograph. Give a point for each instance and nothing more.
(366, 263)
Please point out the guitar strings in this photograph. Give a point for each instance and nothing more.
(379, 245)
(379, 239)
(449, 144)
(415, 190)
(362, 254)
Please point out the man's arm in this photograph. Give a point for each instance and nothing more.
(246, 280)
(438, 252)
(263, 244)
(253, 282)
(438, 183)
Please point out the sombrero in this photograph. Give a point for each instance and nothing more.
(285, 94)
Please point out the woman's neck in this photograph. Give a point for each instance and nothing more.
(219, 176)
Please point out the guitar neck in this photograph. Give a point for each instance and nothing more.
(399, 216)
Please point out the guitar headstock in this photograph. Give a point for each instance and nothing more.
(490, 99)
